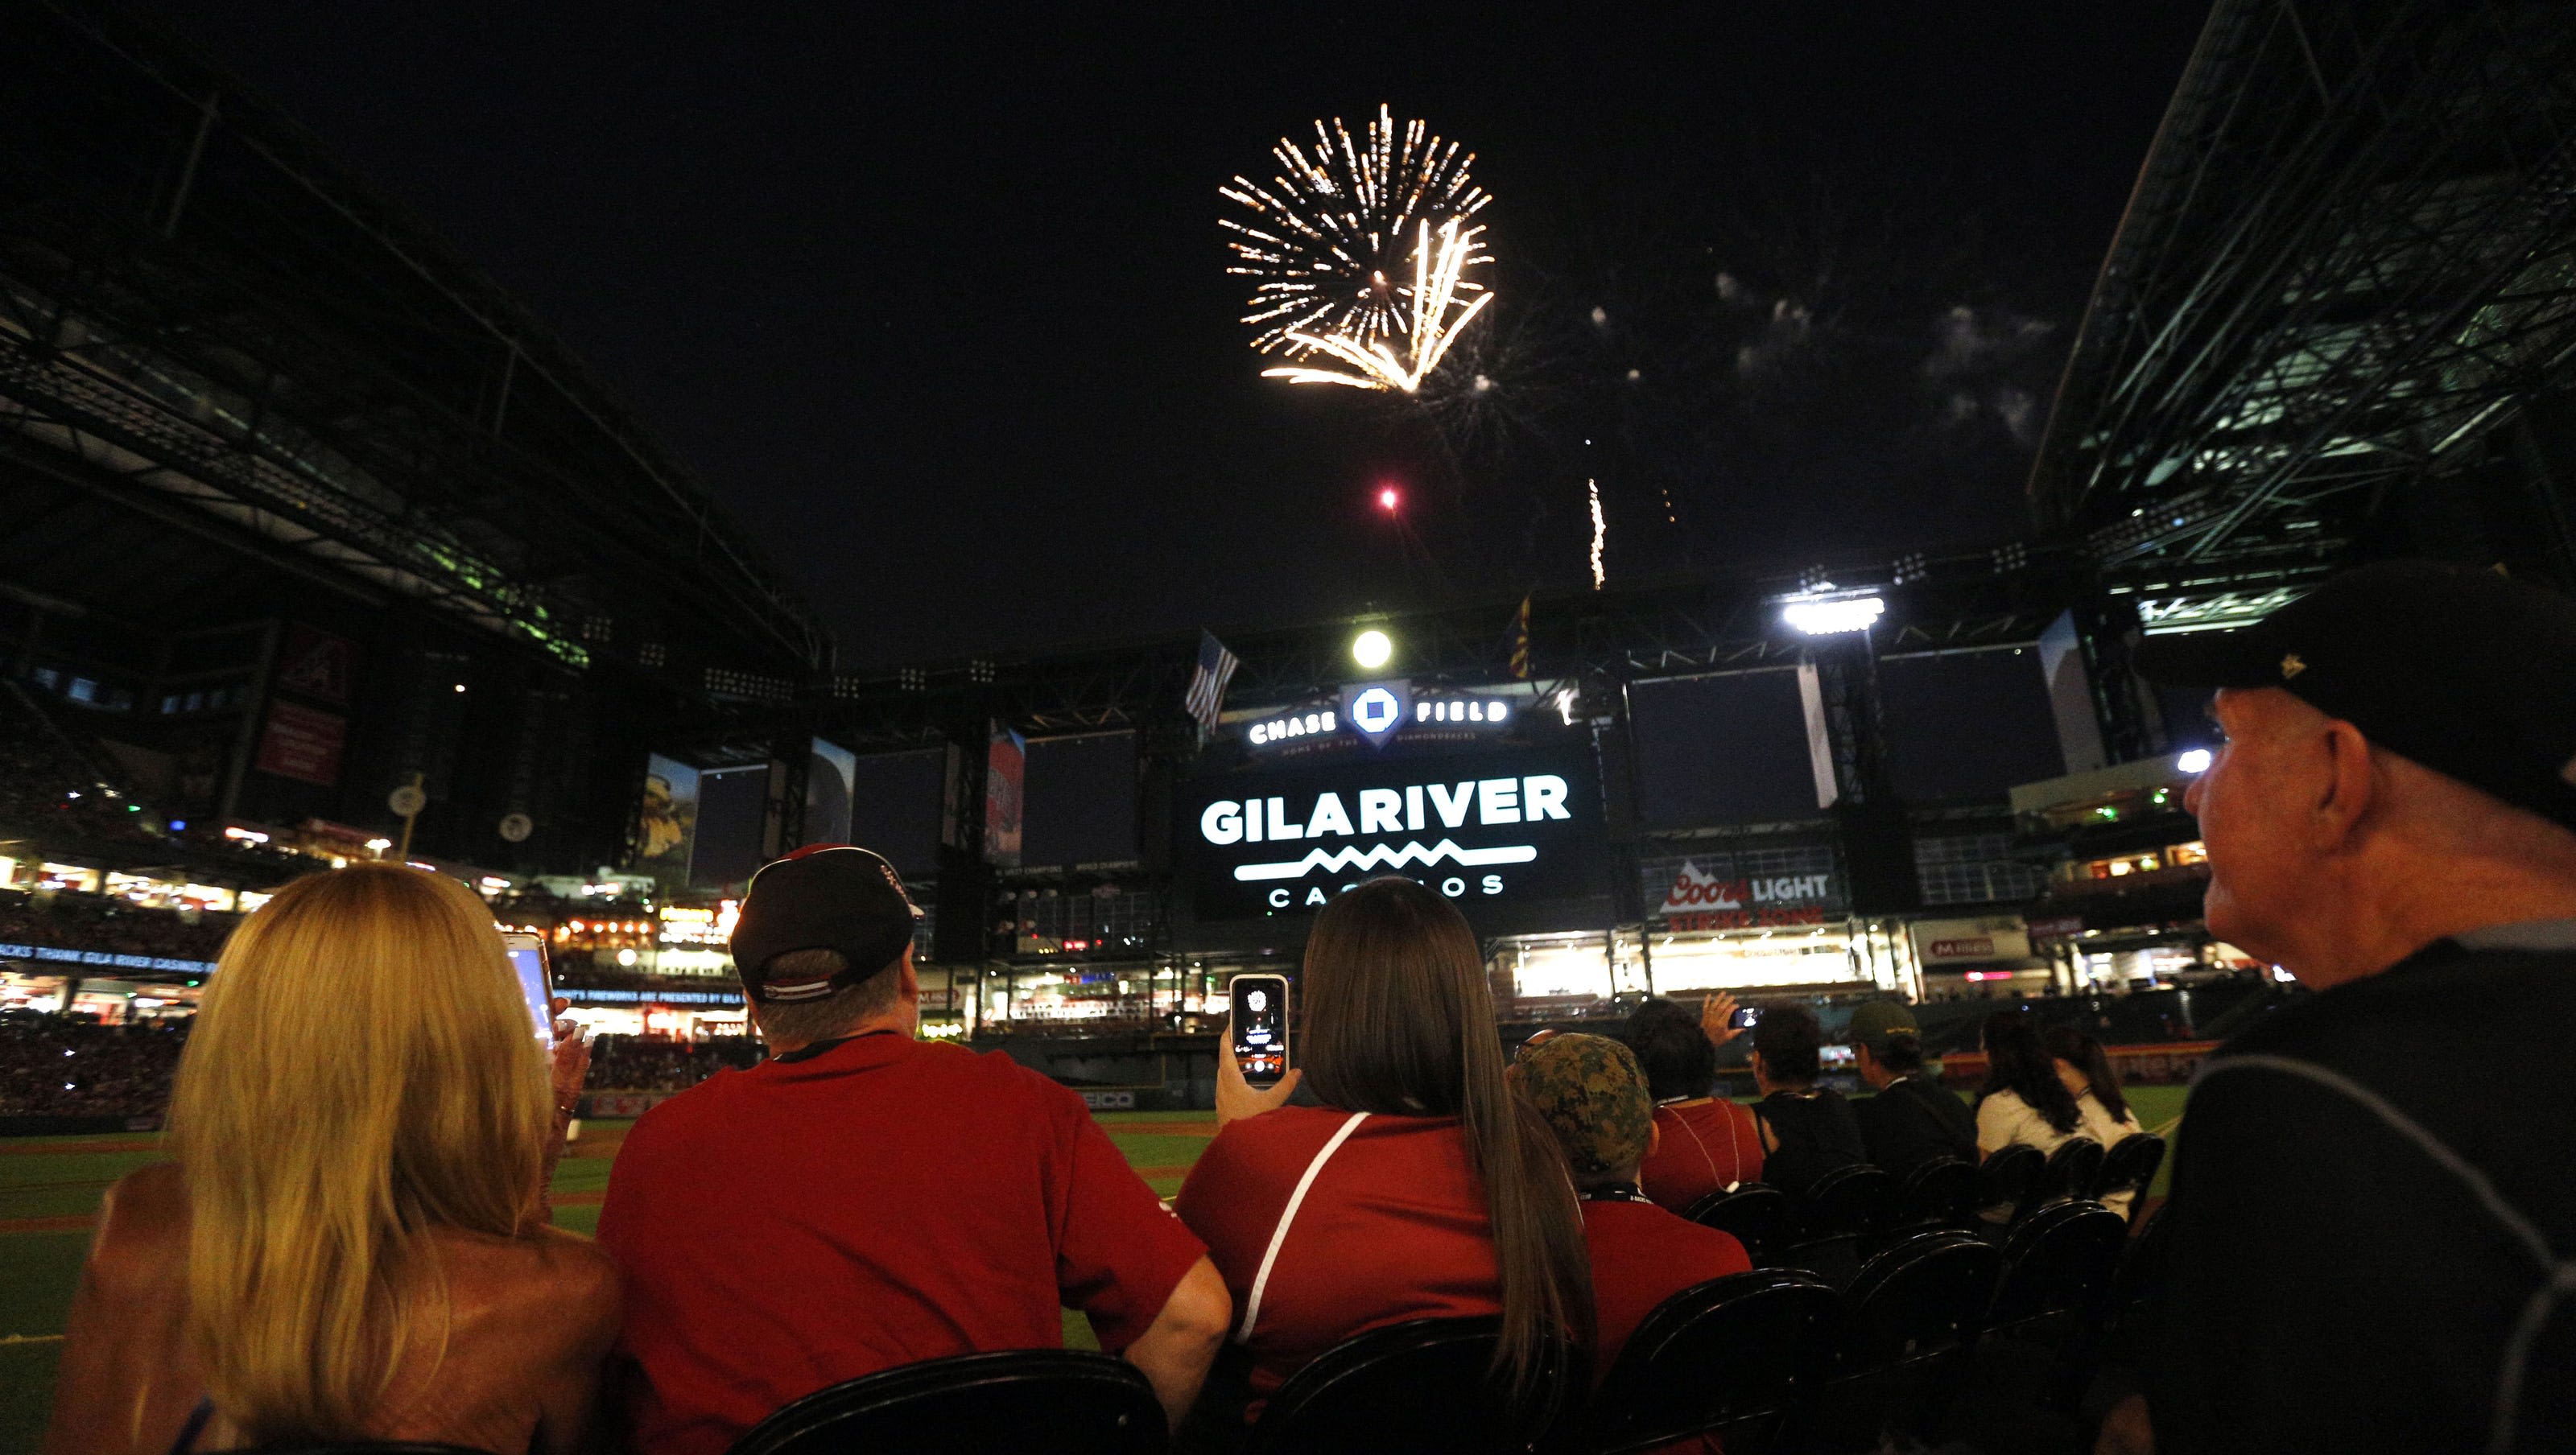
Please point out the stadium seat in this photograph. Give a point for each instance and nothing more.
(1908, 1323)
(361, 1447)
(1724, 1357)
(1941, 1193)
(2043, 1330)
(1762, 1218)
(1057, 1400)
(2006, 1178)
(1842, 1208)
(2069, 1172)
(1422, 1386)
(2130, 1166)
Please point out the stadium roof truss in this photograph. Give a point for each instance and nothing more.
(2349, 260)
(202, 309)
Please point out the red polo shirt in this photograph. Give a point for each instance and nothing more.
(1642, 1255)
(1393, 1228)
(886, 1201)
(1699, 1149)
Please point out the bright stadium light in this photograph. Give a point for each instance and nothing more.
(1824, 618)
(2195, 760)
(1371, 649)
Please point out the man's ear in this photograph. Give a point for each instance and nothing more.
(1654, 1135)
(907, 983)
(2349, 786)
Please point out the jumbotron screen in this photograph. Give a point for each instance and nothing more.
(1488, 829)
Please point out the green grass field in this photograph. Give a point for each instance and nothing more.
(50, 1187)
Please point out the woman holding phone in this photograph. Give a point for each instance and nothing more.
(351, 1240)
(1419, 1188)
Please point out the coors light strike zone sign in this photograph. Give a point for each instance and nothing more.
(1701, 901)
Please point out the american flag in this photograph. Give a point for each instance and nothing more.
(1206, 696)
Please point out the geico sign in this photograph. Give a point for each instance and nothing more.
(1484, 801)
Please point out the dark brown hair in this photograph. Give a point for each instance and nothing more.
(1791, 1041)
(1399, 1020)
(2017, 1061)
(1678, 1058)
(2085, 1054)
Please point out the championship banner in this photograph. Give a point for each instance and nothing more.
(1006, 763)
(302, 743)
(1489, 828)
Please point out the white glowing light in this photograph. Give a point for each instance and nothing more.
(1372, 648)
(1824, 618)
(2195, 760)
(1327, 236)
(1600, 531)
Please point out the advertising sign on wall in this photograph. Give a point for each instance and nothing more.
(316, 663)
(666, 830)
(1943, 943)
(1700, 900)
(302, 743)
(1482, 828)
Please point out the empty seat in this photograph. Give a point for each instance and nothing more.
(1725, 1357)
(1762, 1218)
(2069, 1172)
(2043, 1330)
(2130, 1166)
(2007, 1178)
(1061, 1400)
(1840, 1210)
(1908, 1323)
(1418, 1386)
(1939, 1193)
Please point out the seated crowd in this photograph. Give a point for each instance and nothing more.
(912, 1200)
(52, 1066)
(75, 921)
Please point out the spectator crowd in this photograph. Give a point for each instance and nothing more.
(75, 921)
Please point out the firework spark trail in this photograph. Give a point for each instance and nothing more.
(1600, 531)
(1326, 243)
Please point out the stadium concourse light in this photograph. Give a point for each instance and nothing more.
(1842, 614)
(2193, 760)
(1372, 648)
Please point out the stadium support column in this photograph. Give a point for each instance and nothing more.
(1623, 802)
(2108, 628)
(782, 814)
(962, 933)
(1839, 684)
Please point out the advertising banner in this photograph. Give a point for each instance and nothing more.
(1506, 826)
(302, 743)
(828, 781)
(1697, 899)
(666, 830)
(1005, 782)
(1942, 943)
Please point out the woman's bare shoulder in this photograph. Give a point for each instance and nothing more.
(549, 1275)
(142, 1225)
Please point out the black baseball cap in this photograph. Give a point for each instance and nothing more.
(822, 897)
(2465, 671)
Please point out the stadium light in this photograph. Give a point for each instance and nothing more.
(2195, 760)
(1825, 618)
(1372, 649)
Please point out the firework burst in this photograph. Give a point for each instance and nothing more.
(1363, 253)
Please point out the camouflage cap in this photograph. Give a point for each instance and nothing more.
(1593, 1094)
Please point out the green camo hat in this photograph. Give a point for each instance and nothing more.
(1593, 1094)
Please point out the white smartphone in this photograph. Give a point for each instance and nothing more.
(528, 958)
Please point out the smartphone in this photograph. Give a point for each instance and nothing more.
(1744, 1018)
(528, 958)
(1259, 1026)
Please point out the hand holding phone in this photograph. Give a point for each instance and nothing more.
(536, 983)
(1258, 1027)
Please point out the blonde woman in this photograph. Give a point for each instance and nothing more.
(351, 1240)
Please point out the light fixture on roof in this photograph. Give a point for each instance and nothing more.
(1832, 615)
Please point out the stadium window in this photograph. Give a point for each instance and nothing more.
(169, 704)
(82, 690)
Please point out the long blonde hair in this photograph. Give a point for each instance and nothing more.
(362, 1070)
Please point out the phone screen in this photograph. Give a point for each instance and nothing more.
(1260, 1027)
(528, 958)
(1745, 1016)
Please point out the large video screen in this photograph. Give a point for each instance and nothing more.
(1489, 829)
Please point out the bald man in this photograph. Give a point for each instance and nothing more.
(2374, 1236)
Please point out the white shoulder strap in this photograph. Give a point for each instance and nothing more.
(1287, 1215)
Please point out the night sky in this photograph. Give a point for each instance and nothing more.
(934, 300)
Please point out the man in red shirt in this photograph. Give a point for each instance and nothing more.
(1593, 1095)
(863, 1199)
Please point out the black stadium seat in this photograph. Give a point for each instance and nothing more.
(1724, 1357)
(362, 1447)
(2069, 1172)
(1908, 1323)
(1420, 1386)
(1064, 1401)
(2130, 1166)
(1941, 1193)
(2006, 1178)
(1842, 1208)
(2043, 1330)
(1762, 1218)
